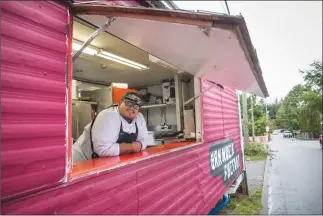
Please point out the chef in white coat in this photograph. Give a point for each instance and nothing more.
(118, 130)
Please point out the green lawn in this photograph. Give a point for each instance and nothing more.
(244, 205)
(241, 204)
(256, 151)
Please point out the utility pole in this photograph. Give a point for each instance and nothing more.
(252, 119)
(267, 119)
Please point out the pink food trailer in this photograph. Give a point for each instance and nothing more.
(180, 177)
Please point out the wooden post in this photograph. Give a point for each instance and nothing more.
(244, 184)
(245, 120)
(252, 119)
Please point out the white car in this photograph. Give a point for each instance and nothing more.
(287, 134)
(275, 132)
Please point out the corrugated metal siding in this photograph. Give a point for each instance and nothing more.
(113, 192)
(171, 185)
(154, 186)
(130, 3)
(231, 119)
(175, 183)
(33, 70)
(220, 118)
(212, 116)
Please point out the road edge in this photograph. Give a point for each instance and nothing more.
(265, 186)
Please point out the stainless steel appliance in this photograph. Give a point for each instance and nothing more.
(82, 112)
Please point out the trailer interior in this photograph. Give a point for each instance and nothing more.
(111, 63)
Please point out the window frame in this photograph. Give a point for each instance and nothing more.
(69, 175)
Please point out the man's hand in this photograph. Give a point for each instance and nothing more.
(126, 148)
(137, 146)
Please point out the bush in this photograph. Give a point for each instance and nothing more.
(256, 151)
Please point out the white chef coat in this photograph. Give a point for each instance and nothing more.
(105, 133)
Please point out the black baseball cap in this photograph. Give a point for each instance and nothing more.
(134, 97)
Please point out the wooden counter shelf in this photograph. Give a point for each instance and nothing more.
(89, 167)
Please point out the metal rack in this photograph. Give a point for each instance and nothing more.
(157, 105)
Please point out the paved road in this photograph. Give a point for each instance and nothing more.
(294, 177)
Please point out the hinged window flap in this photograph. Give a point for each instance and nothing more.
(216, 47)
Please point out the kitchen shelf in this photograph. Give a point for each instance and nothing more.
(156, 106)
(87, 102)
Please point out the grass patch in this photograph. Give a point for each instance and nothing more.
(243, 205)
(256, 151)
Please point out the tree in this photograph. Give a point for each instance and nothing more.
(311, 108)
(272, 109)
(313, 77)
(258, 113)
(288, 115)
(281, 119)
(302, 107)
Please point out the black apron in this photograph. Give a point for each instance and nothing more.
(123, 137)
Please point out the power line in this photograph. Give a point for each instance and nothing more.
(223, 7)
(226, 4)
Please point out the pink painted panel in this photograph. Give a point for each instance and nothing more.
(174, 183)
(111, 192)
(130, 3)
(220, 120)
(168, 184)
(212, 116)
(33, 71)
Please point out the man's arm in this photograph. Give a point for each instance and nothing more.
(142, 132)
(126, 148)
(105, 133)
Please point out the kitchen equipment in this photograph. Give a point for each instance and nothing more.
(151, 138)
(168, 89)
(152, 141)
(105, 97)
(162, 128)
(189, 123)
(81, 116)
(75, 92)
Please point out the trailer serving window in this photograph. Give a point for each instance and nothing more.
(109, 67)
(173, 47)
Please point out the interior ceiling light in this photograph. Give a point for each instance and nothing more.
(107, 55)
(87, 50)
(121, 60)
(160, 62)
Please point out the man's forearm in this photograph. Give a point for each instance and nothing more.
(126, 148)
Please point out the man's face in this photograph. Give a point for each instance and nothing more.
(129, 109)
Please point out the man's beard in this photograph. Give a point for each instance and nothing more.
(129, 120)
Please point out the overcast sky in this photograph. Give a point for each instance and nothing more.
(286, 34)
